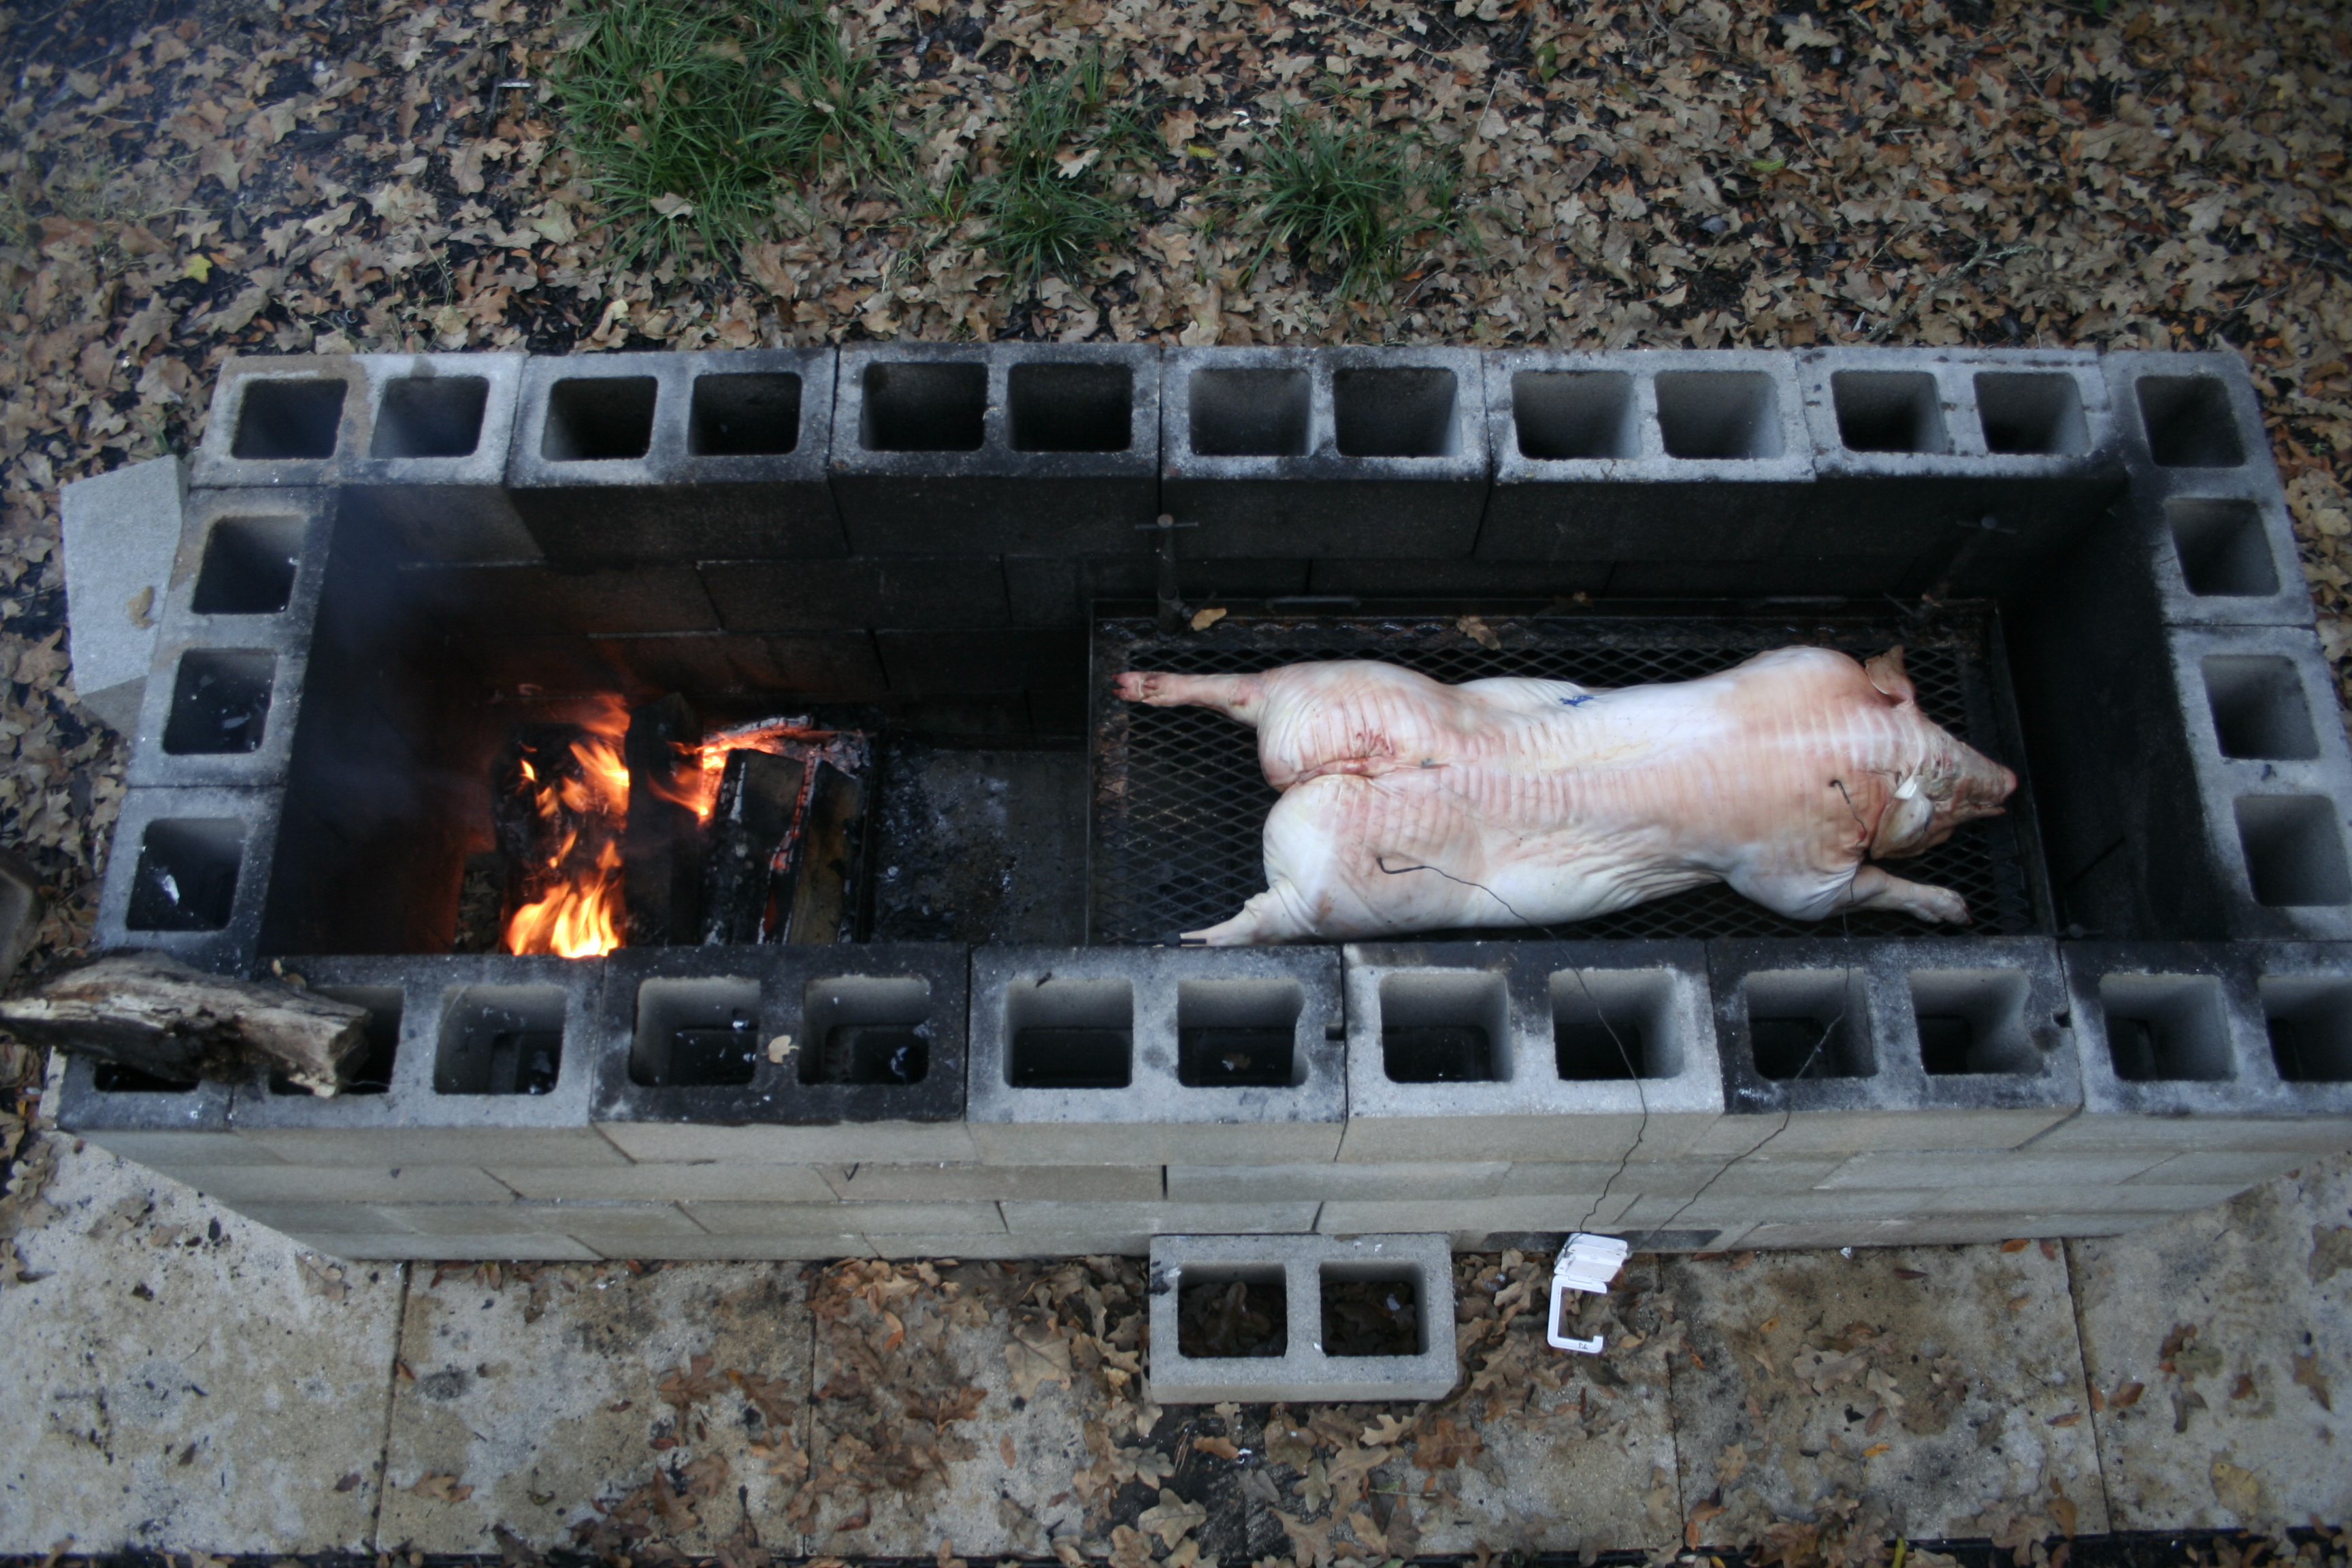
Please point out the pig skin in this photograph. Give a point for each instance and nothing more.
(1408, 805)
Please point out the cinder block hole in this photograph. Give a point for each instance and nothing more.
(1370, 1308)
(1973, 1021)
(1445, 1027)
(1238, 1034)
(2223, 549)
(1809, 1023)
(1069, 1033)
(1250, 413)
(430, 416)
(2259, 709)
(695, 1034)
(2310, 1019)
(113, 1077)
(924, 408)
(1613, 1024)
(248, 566)
(1399, 411)
(220, 702)
(866, 1028)
(186, 874)
(2188, 421)
(1228, 1311)
(1889, 411)
(372, 1073)
(2165, 1026)
(2294, 849)
(1718, 413)
(1565, 414)
(744, 415)
(2031, 415)
(289, 420)
(1071, 407)
(500, 1039)
(599, 419)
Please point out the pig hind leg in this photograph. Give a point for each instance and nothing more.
(1236, 696)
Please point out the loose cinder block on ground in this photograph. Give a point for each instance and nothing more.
(1833, 1046)
(1304, 1371)
(1144, 1055)
(1527, 1051)
(2274, 773)
(1354, 453)
(675, 457)
(1672, 455)
(1047, 448)
(791, 1054)
(121, 534)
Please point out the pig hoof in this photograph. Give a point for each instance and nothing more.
(1135, 685)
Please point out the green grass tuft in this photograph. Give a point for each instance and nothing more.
(1350, 200)
(687, 113)
(1038, 216)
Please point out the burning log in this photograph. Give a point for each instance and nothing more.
(752, 830)
(820, 907)
(661, 852)
(158, 1017)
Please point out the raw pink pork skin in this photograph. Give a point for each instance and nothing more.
(1408, 805)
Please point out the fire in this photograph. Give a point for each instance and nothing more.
(583, 913)
(697, 786)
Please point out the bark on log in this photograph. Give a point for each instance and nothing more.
(155, 1013)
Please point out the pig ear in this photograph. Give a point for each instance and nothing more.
(1885, 673)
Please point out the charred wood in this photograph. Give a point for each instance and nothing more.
(752, 846)
(829, 834)
(661, 849)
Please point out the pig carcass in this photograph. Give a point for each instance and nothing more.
(1408, 805)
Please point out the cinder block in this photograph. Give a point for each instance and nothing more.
(1917, 449)
(583, 1221)
(1527, 1051)
(712, 1182)
(1938, 1230)
(179, 1132)
(2274, 774)
(740, 1248)
(1050, 448)
(283, 420)
(2234, 1168)
(238, 1186)
(1155, 1218)
(505, 600)
(1133, 1056)
(1018, 1244)
(1275, 1183)
(429, 475)
(933, 664)
(2210, 1049)
(1469, 1221)
(493, 1063)
(1836, 1046)
(784, 1055)
(2126, 1197)
(1063, 591)
(121, 533)
(190, 874)
(870, 1219)
(326, 1218)
(1669, 455)
(851, 595)
(1356, 453)
(398, 1247)
(967, 1182)
(641, 457)
(1672, 1178)
(842, 668)
(1971, 1174)
(1304, 1371)
(1716, 1209)
(1519, 580)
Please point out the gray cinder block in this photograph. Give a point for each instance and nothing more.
(121, 534)
(1319, 1182)
(1664, 456)
(1517, 1050)
(1050, 448)
(1355, 453)
(872, 1219)
(784, 1055)
(180, 1132)
(968, 1180)
(430, 476)
(190, 874)
(1306, 1372)
(493, 1063)
(283, 420)
(396, 1247)
(1051, 1217)
(630, 458)
(1145, 1056)
(1836, 1046)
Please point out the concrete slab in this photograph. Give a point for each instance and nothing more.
(183, 1379)
(2231, 1323)
(532, 1395)
(1938, 1384)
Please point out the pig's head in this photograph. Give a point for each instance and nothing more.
(1953, 783)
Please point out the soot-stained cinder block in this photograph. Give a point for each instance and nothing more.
(1052, 448)
(1354, 453)
(1062, 590)
(910, 592)
(1144, 1055)
(1670, 454)
(526, 599)
(785, 1055)
(429, 468)
(1529, 1051)
(674, 458)
(121, 533)
(1315, 1355)
(1970, 463)
(491, 1058)
(923, 664)
(190, 874)
(2274, 774)
(1831, 1045)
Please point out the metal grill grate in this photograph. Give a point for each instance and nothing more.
(1179, 801)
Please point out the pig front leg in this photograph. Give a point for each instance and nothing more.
(1878, 888)
(1811, 896)
(1237, 697)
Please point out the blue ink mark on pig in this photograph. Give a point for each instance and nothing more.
(1579, 701)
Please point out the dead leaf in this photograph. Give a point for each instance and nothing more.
(2237, 1491)
(2017, 1245)
(2126, 1395)
(1204, 619)
(1032, 1359)
(690, 1384)
(1172, 1519)
(2307, 1372)
(1218, 1448)
(1479, 632)
(443, 1487)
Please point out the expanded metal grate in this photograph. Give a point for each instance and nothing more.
(1179, 802)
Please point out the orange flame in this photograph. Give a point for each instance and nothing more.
(583, 915)
(697, 788)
